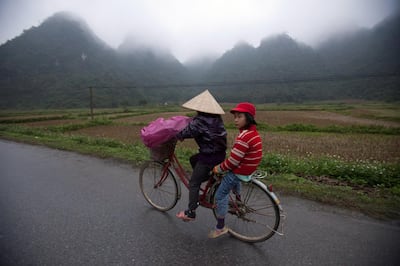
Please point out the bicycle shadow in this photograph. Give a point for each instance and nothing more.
(190, 238)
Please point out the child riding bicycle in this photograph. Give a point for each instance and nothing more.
(244, 159)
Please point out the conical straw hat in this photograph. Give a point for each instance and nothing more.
(204, 102)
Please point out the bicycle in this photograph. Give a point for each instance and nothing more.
(252, 217)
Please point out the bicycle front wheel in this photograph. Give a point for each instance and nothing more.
(158, 185)
(253, 218)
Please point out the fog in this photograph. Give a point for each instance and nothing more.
(189, 29)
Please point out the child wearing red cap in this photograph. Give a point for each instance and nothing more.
(243, 160)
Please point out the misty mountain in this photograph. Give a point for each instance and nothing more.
(153, 65)
(277, 58)
(59, 57)
(61, 44)
(360, 64)
(54, 64)
(199, 66)
(235, 64)
(365, 51)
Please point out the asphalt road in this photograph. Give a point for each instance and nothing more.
(62, 208)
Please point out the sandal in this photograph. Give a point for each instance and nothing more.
(184, 217)
(218, 232)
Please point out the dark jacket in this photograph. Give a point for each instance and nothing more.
(210, 135)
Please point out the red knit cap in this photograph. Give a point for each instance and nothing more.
(245, 108)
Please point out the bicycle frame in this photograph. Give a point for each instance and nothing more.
(251, 208)
(174, 164)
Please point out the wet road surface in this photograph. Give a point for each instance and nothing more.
(62, 208)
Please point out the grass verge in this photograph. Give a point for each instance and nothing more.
(380, 201)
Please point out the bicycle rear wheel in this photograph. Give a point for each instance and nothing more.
(255, 217)
(158, 185)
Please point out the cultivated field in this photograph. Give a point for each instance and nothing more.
(366, 147)
(347, 147)
(347, 154)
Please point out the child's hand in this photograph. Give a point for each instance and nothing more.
(217, 169)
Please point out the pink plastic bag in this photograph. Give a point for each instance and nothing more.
(161, 130)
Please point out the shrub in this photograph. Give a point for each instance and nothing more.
(358, 173)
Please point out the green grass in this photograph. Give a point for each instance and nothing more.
(287, 174)
(353, 129)
(359, 173)
(370, 187)
(382, 204)
(339, 106)
(101, 147)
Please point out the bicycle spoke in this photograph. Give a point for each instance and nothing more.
(255, 217)
(158, 186)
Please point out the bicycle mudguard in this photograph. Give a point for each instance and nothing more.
(272, 194)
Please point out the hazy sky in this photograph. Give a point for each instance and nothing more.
(190, 27)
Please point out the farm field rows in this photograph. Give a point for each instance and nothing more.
(347, 155)
(370, 147)
(349, 147)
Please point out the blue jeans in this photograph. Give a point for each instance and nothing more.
(228, 183)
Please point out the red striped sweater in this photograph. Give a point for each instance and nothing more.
(246, 153)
